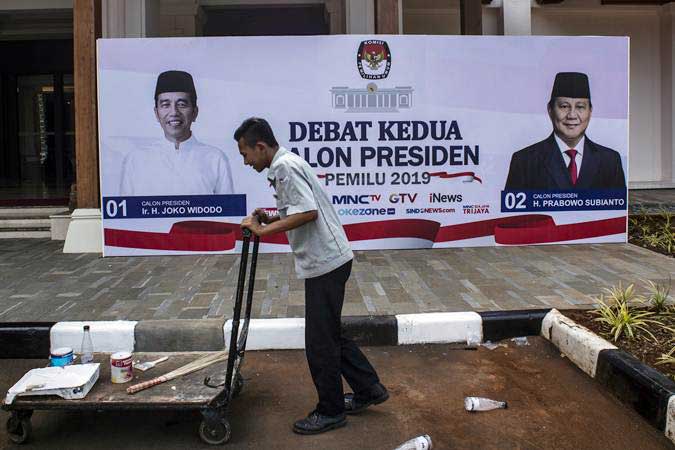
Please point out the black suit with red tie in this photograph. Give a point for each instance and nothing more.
(541, 166)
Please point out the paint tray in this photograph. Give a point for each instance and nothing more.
(70, 382)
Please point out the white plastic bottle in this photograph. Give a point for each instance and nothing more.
(87, 351)
(419, 443)
(483, 404)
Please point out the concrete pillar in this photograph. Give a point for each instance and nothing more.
(335, 11)
(471, 17)
(86, 28)
(130, 18)
(667, 56)
(515, 17)
(84, 231)
(387, 16)
(181, 18)
(360, 16)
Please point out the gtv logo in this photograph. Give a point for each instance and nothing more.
(366, 199)
(402, 198)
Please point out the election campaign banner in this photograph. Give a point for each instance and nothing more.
(420, 141)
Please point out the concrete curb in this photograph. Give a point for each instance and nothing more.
(644, 389)
(579, 344)
(107, 337)
(647, 391)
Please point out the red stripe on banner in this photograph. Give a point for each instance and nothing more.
(198, 235)
(539, 232)
(455, 175)
(401, 228)
(189, 235)
(487, 227)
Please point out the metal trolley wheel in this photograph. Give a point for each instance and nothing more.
(19, 427)
(215, 434)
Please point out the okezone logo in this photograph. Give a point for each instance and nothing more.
(373, 59)
(366, 211)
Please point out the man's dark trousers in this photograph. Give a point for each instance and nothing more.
(330, 354)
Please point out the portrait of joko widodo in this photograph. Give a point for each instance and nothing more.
(567, 159)
(177, 164)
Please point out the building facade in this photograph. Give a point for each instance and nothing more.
(48, 143)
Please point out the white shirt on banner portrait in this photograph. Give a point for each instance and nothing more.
(156, 167)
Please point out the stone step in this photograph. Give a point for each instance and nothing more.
(24, 234)
(27, 223)
(32, 211)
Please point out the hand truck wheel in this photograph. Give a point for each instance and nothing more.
(215, 433)
(19, 427)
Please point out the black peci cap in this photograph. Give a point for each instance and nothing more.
(571, 84)
(175, 81)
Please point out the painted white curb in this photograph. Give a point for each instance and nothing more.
(107, 337)
(670, 419)
(439, 328)
(271, 334)
(578, 343)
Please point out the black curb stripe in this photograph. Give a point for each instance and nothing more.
(371, 330)
(499, 325)
(24, 340)
(643, 388)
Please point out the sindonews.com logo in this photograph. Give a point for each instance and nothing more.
(429, 210)
(367, 211)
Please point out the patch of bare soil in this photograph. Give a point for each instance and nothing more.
(643, 346)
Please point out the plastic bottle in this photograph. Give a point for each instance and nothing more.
(87, 353)
(483, 404)
(419, 443)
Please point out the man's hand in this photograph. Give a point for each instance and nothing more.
(262, 215)
(278, 225)
(252, 223)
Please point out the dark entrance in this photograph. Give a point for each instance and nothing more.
(37, 142)
(287, 20)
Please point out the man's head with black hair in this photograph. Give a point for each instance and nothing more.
(256, 142)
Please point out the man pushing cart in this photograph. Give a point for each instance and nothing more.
(323, 259)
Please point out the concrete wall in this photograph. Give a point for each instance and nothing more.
(642, 25)
(650, 28)
(652, 151)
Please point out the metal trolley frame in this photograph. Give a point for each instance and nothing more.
(211, 396)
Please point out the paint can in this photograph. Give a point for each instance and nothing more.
(61, 356)
(121, 369)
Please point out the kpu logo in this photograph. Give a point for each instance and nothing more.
(373, 59)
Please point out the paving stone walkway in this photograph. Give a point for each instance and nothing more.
(651, 201)
(39, 283)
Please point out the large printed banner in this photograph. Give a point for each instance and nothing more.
(421, 141)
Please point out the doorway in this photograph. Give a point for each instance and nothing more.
(37, 123)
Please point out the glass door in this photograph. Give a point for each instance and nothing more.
(46, 141)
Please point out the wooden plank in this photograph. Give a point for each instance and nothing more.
(86, 29)
(187, 392)
(386, 17)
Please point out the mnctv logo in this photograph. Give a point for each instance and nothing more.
(365, 199)
(373, 59)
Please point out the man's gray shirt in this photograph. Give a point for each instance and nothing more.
(319, 246)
